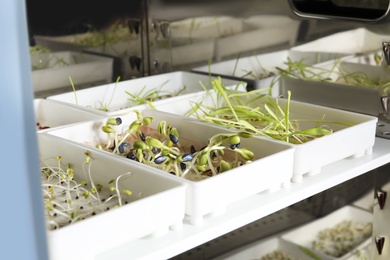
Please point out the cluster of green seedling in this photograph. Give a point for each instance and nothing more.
(164, 149)
(36, 50)
(266, 118)
(300, 70)
(342, 238)
(67, 200)
(39, 49)
(147, 97)
(115, 33)
(141, 98)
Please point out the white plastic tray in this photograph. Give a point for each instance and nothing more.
(304, 235)
(261, 248)
(336, 93)
(160, 208)
(346, 141)
(368, 58)
(54, 114)
(117, 101)
(121, 50)
(256, 68)
(208, 27)
(55, 68)
(271, 29)
(209, 196)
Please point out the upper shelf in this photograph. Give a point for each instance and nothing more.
(246, 211)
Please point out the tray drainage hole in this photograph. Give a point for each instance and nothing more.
(386, 133)
(381, 124)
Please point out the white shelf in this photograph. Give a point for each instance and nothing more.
(246, 211)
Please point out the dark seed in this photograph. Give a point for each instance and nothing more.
(218, 169)
(118, 120)
(183, 166)
(122, 146)
(154, 150)
(142, 136)
(192, 148)
(173, 173)
(132, 157)
(187, 157)
(160, 159)
(234, 146)
(173, 138)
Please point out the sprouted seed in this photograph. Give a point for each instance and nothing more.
(163, 148)
(67, 200)
(342, 238)
(237, 110)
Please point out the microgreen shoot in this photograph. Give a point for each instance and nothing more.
(147, 97)
(104, 106)
(69, 199)
(74, 90)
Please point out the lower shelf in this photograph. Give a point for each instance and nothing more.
(249, 210)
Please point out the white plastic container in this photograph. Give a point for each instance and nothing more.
(260, 70)
(52, 114)
(336, 93)
(367, 58)
(52, 70)
(114, 97)
(345, 142)
(159, 208)
(201, 28)
(271, 29)
(303, 236)
(264, 247)
(209, 196)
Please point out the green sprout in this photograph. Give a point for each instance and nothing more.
(240, 111)
(68, 199)
(165, 149)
